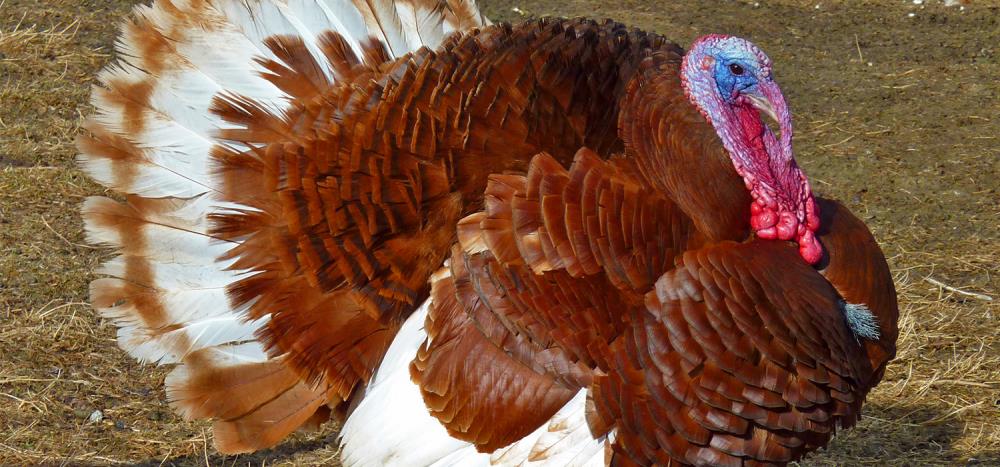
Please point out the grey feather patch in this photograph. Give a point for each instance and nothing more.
(861, 321)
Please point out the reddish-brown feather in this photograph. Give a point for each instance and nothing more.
(581, 314)
(675, 152)
(300, 406)
(784, 400)
(255, 405)
(856, 267)
(493, 399)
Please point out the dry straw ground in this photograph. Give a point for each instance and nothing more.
(897, 115)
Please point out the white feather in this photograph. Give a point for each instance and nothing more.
(173, 346)
(391, 425)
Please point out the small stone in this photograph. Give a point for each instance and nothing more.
(120, 425)
(95, 416)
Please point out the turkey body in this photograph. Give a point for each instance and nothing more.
(476, 244)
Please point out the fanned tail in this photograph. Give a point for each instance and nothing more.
(152, 138)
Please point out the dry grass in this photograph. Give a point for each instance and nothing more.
(45, 72)
(907, 142)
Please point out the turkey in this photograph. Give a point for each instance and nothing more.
(562, 242)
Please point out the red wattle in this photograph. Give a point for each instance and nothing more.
(787, 225)
(810, 248)
(769, 233)
(762, 218)
(812, 214)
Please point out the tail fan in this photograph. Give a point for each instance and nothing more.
(152, 138)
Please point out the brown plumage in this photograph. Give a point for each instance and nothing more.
(738, 353)
(358, 202)
(597, 236)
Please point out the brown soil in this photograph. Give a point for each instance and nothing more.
(897, 116)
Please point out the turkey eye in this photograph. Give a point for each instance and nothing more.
(736, 69)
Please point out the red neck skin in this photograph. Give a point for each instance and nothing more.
(783, 207)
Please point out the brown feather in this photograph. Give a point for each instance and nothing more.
(563, 323)
(680, 349)
(255, 404)
(856, 267)
(271, 422)
(676, 151)
(300, 75)
(490, 400)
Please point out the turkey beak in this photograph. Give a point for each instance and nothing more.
(764, 106)
(769, 100)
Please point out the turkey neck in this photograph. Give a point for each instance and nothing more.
(676, 151)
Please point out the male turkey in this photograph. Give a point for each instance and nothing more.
(562, 242)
